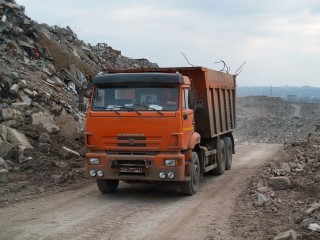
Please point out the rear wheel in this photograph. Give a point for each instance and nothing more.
(107, 185)
(228, 146)
(221, 159)
(191, 187)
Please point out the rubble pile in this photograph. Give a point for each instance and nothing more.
(284, 196)
(282, 200)
(45, 75)
(263, 119)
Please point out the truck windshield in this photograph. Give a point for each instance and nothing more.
(136, 99)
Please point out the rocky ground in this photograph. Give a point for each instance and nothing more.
(283, 197)
(272, 120)
(44, 72)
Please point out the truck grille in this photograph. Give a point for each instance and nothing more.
(132, 141)
(117, 143)
(131, 153)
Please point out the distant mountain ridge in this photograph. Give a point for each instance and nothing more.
(303, 94)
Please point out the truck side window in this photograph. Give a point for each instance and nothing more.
(99, 98)
(185, 98)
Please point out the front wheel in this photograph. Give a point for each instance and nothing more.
(107, 185)
(191, 187)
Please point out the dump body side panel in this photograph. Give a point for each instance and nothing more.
(220, 89)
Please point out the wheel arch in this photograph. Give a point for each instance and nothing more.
(194, 140)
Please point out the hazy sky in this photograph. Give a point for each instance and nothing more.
(279, 40)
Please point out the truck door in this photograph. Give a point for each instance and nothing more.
(187, 118)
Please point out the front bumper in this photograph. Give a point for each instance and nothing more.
(137, 167)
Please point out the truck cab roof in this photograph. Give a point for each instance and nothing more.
(138, 78)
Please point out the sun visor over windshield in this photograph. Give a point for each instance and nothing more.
(138, 78)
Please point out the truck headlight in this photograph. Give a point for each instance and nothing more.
(171, 175)
(162, 175)
(100, 173)
(172, 162)
(94, 161)
(93, 173)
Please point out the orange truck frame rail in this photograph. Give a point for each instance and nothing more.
(160, 125)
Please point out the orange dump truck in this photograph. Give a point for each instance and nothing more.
(160, 125)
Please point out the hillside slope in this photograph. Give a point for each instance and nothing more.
(44, 72)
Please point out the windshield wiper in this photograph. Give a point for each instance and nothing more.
(132, 109)
(107, 109)
(116, 108)
(147, 107)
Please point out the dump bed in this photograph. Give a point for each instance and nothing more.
(215, 98)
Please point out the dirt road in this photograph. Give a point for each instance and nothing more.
(297, 109)
(138, 211)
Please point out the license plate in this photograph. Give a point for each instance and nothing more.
(131, 170)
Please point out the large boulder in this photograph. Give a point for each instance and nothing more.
(17, 138)
(12, 123)
(3, 132)
(285, 166)
(67, 153)
(69, 128)
(7, 150)
(56, 109)
(21, 106)
(4, 176)
(289, 235)
(30, 93)
(14, 89)
(44, 138)
(22, 84)
(3, 164)
(314, 207)
(10, 113)
(279, 183)
(25, 98)
(44, 147)
(45, 120)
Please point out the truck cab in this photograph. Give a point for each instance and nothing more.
(141, 128)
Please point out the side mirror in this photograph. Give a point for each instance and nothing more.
(192, 99)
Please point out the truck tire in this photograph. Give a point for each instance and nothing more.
(221, 159)
(107, 185)
(191, 187)
(228, 146)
